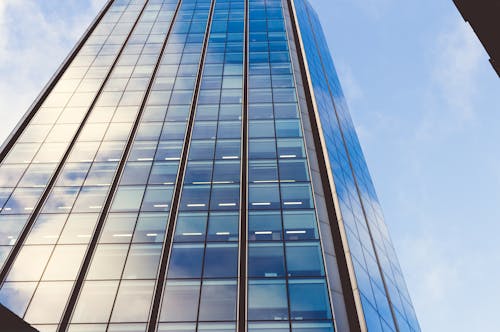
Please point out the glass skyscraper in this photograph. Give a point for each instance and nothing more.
(192, 166)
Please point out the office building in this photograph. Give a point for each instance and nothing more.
(192, 166)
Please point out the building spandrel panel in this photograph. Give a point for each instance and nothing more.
(192, 166)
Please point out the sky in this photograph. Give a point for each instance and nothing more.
(426, 104)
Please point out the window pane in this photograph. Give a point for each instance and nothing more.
(118, 228)
(219, 327)
(48, 303)
(195, 197)
(10, 228)
(22, 201)
(300, 225)
(128, 199)
(304, 259)
(227, 171)
(78, 228)
(150, 227)
(177, 327)
(185, 261)
(29, 263)
(264, 226)
(296, 196)
(309, 300)
(221, 261)
(37, 175)
(263, 196)
(268, 327)
(218, 301)
(266, 260)
(135, 173)
(163, 173)
(223, 226)
(108, 261)
(73, 174)
(15, 296)
(142, 261)
(61, 199)
(133, 301)
(312, 327)
(95, 302)
(65, 262)
(224, 197)
(190, 227)
(180, 302)
(157, 198)
(267, 300)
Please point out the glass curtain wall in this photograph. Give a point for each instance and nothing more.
(33, 159)
(287, 288)
(200, 292)
(380, 281)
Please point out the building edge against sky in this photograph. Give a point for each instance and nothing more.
(255, 162)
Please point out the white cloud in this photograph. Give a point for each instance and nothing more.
(457, 57)
(32, 46)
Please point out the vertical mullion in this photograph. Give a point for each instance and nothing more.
(243, 247)
(100, 224)
(31, 220)
(165, 255)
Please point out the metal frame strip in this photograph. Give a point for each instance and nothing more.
(165, 255)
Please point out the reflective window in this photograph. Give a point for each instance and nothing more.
(221, 261)
(186, 261)
(267, 300)
(180, 302)
(133, 301)
(95, 302)
(218, 301)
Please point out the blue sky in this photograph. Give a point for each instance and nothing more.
(426, 104)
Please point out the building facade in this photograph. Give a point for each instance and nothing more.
(192, 166)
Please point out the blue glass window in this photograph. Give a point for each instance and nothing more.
(266, 260)
(185, 261)
(221, 261)
(309, 300)
(304, 259)
(218, 301)
(180, 303)
(190, 227)
(267, 300)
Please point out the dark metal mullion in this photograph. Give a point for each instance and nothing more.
(31, 220)
(345, 275)
(100, 224)
(165, 255)
(205, 242)
(243, 246)
(393, 314)
(120, 281)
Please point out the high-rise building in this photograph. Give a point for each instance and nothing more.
(484, 18)
(192, 166)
